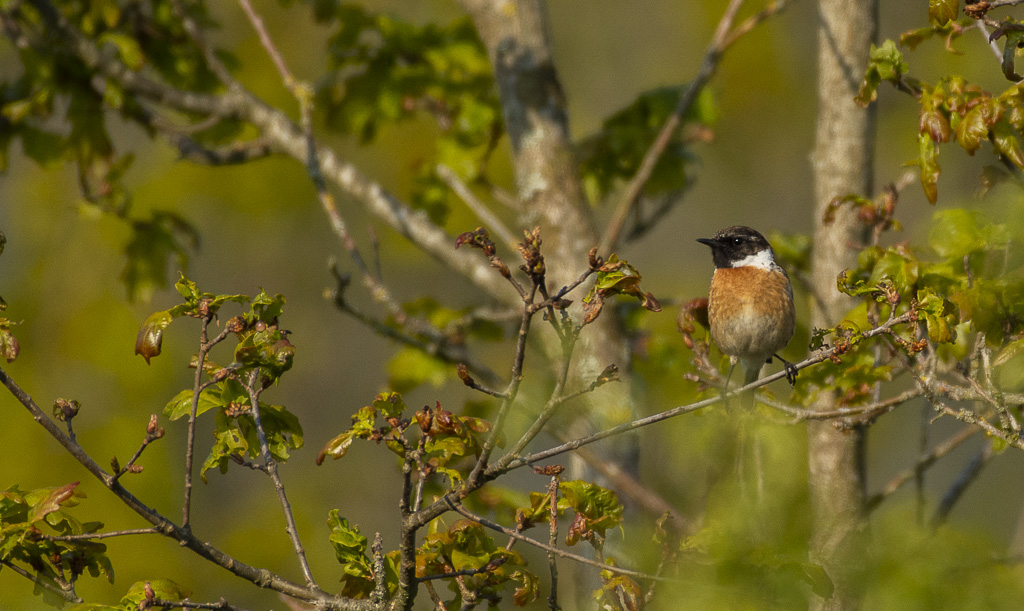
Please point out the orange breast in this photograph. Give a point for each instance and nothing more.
(750, 310)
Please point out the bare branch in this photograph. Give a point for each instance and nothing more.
(153, 432)
(436, 343)
(67, 594)
(159, 603)
(488, 218)
(516, 380)
(723, 38)
(923, 463)
(864, 413)
(271, 464)
(509, 461)
(103, 535)
(971, 471)
(552, 542)
(555, 401)
(205, 345)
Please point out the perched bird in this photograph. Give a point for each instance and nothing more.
(750, 307)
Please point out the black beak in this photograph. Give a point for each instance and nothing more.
(707, 242)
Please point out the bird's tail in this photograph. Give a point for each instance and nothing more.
(751, 370)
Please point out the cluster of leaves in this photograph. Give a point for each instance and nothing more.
(968, 282)
(614, 153)
(595, 510)
(358, 579)
(156, 593)
(147, 35)
(953, 108)
(615, 277)
(27, 521)
(262, 346)
(465, 546)
(444, 437)
(385, 70)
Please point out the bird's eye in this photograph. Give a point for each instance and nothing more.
(737, 241)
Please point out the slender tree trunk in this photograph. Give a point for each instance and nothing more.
(842, 164)
(515, 33)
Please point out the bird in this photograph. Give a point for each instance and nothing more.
(750, 304)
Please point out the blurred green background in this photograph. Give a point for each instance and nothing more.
(262, 227)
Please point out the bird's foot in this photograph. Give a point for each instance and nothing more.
(790, 368)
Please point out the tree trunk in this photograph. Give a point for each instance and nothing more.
(842, 164)
(515, 33)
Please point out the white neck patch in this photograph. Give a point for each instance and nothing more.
(762, 258)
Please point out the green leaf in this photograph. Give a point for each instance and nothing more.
(1008, 352)
(1006, 143)
(181, 404)
(229, 440)
(913, 38)
(940, 315)
(928, 160)
(162, 588)
(265, 308)
(337, 447)
(974, 128)
(885, 64)
(268, 349)
(941, 12)
(349, 546)
(1014, 40)
(48, 500)
(599, 506)
(236, 435)
(615, 153)
(895, 267)
(151, 334)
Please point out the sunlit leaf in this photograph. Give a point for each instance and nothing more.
(151, 334)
